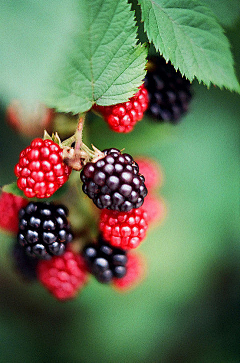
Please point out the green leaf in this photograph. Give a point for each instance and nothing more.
(226, 11)
(187, 33)
(104, 64)
(13, 189)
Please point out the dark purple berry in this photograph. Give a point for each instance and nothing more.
(104, 261)
(24, 264)
(169, 92)
(44, 229)
(114, 182)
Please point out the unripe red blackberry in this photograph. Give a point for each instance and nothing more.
(151, 171)
(104, 261)
(122, 117)
(156, 209)
(44, 229)
(10, 206)
(64, 275)
(124, 230)
(41, 170)
(29, 119)
(169, 92)
(136, 271)
(114, 182)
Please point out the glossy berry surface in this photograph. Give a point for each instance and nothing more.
(63, 276)
(40, 170)
(136, 271)
(114, 182)
(104, 261)
(169, 92)
(44, 229)
(125, 230)
(24, 265)
(123, 116)
(10, 206)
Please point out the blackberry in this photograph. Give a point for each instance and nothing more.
(104, 261)
(44, 229)
(114, 182)
(24, 264)
(169, 92)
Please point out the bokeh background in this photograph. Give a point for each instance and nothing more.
(188, 308)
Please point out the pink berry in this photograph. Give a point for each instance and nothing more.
(123, 116)
(155, 208)
(30, 120)
(10, 205)
(151, 171)
(41, 170)
(124, 230)
(136, 270)
(63, 275)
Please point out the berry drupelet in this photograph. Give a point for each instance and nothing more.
(41, 170)
(114, 182)
(104, 261)
(124, 230)
(122, 117)
(44, 229)
(168, 91)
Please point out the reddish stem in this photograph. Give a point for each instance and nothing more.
(79, 132)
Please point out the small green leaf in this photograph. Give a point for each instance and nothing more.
(187, 33)
(104, 64)
(13, 189)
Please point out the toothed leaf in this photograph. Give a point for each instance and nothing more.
(104, 64)
(188, 34)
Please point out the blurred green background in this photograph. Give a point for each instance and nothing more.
(188, 308)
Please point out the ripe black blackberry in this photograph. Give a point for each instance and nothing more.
(114, 182)
(44, 229)
(25, 265)
(104, 261)
(169, 92)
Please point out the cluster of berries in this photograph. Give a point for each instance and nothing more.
(115, 183)
(45, 253)
(165, 96)
(45, 249)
